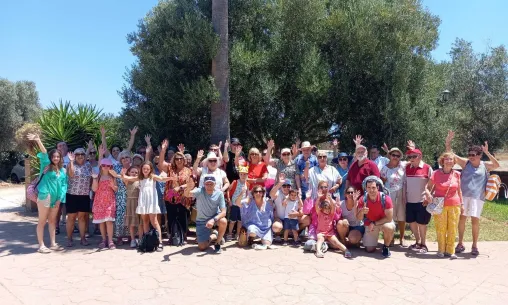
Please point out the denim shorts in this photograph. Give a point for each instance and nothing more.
(357, 228)
(202, 232)
(290, 224)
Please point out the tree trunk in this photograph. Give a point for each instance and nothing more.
(220, 72)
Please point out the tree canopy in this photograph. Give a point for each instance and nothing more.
(314, 70)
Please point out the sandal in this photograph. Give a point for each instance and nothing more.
(460, 248)
(111, 246)
(423, 249)
(70, 244)
(348, 254)
(102, 245)
(84, 242)
(415, 247)
(56, 247)
(160, 248)
(44, 250)
(474, 251)
(319, 254)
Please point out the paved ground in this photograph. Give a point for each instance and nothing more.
(84, 275)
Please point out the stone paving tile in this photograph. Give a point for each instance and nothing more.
(183, 275)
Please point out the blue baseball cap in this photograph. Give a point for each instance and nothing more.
(209, 178)
(287, 182)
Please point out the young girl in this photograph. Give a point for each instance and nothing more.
(292, 203)
(148, 201)
(131, 218)
(104, 205)
(325, 209)
(235, 190)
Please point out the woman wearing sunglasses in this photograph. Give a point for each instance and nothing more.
(323, 172)
(393, 175)
(349, 226)
(344, 162)
(79, 172)
(258, 172)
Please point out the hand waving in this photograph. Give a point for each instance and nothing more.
(358, 140)
(181, 147)
(485, 147)
(282, 178)
(200, 155)
(133, 131)
(165, 144)
(147, 139)
(32, 137)
(71, 157)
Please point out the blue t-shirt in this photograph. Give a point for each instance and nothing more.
(343, 173)
(300, 166)
(208, 206)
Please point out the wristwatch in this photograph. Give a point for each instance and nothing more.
(215, 219)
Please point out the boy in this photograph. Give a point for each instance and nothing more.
(235, 190)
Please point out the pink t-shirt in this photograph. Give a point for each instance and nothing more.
(442, 181)
(325, 224)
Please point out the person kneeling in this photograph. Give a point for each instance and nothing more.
(376, 210)
(211, 208)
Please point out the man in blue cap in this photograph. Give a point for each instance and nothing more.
(211, 208)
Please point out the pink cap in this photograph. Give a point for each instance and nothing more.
(106, 161)
(414, 151)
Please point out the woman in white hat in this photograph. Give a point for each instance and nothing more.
(211, 167)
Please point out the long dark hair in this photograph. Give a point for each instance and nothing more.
(52, 166)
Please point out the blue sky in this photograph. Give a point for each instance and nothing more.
(77, 50)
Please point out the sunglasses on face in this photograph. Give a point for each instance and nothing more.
(93, 152)
(212, 161)
(254, 154)
(142, 152)
(350, 193)
(323, 187)
(472, 155)
(258, 192)
(180, 159)
(106, 165)
(412, 157)
(395, 156)
(285, 154)
(286, 186)
(125, 158)
(322, 157)
(343, 159)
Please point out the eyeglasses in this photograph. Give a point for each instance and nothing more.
(472, 155)
(412, 157)
(323, 187)
(350, 193)
(92, 152)
(254, 154)
(180, 159)
(322, 157)
(258, 192)
(286, 154)
(342, 159)
(395, 156)
(212, 161)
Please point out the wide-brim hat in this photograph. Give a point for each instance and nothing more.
(211, 155)
(306, 144)
(138, 156)
(395, 149)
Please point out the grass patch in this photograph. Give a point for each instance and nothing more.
(493, 224)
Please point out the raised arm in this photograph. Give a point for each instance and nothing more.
(195, 168)
(448, 145)
(149, 150)
(243, 195)
(190, 186)
(493, 163)
(275, 189)
(225, 155)
(219, 157)
(70, 167)
(104, 143)
(37, 140)
(163, 165)
(133, 132)
(269, 147)
(237, 152)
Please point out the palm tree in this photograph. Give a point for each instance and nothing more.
(220, 72)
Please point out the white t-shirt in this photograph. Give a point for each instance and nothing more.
(381, 162)
(113, 160)
(330, 174)
(292, 206)
(280, 210)
(219, 175)
(394, 176)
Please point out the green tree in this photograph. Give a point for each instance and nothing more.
(19, 104)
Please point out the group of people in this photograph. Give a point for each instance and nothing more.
(340, 204)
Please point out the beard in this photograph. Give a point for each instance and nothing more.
(361, 158)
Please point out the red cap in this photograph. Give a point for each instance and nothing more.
(414, 151)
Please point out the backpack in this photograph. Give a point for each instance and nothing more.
(177, 234)
(149, 241)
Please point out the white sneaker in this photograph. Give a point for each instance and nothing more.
(134, 244)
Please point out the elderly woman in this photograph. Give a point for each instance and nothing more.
(177, 205)
(257, 216)
(445, 183)
(285, 165)
(343, 164)
(323, 172)
(258, 172)
(52, 190)
(79, 172)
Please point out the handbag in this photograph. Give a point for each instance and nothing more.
(32, 192)
(437, 204)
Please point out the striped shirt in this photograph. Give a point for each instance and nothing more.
(416, 180)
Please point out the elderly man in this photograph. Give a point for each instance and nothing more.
(211, 208)
(377, 158)
(211, 167)
(361, 168)
(417, 176)
(376, 211)
(475, 174)
(304, 162)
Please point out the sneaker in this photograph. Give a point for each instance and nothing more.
(272, 247)
(133, 243)
(259, 247)
(229, 237)
(285, 243)
(460, 248)
(440, 254)
(296, 243)
(386, 252)
(277, 239)
(217, 249)
(453, 256)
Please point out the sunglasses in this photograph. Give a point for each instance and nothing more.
(342, 159)
(212, 161)
(79, 155)
(472, 155)
(142, 152)
(92, 152)
(286, 186)
(322, 157)
(350, 193)
(254, 154)
(179, 159)
(412, 157)
(258, 192)
(286, 154)
(395, 156)
(214, 149)
(103, 165)
(323, 187)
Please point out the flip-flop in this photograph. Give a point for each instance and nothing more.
(84, 242)
(56, 248)
(111, 246)
(70, 244)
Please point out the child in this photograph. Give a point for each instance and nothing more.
(104, 205)
(235, 190)
(131, 218)
(148, 201)
(292, 203)
(325, 210)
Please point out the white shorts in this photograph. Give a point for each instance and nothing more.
(399, 207)
(473, 207)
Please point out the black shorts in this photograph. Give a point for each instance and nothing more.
(234, 213)
(77, 203)
(416, 212)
